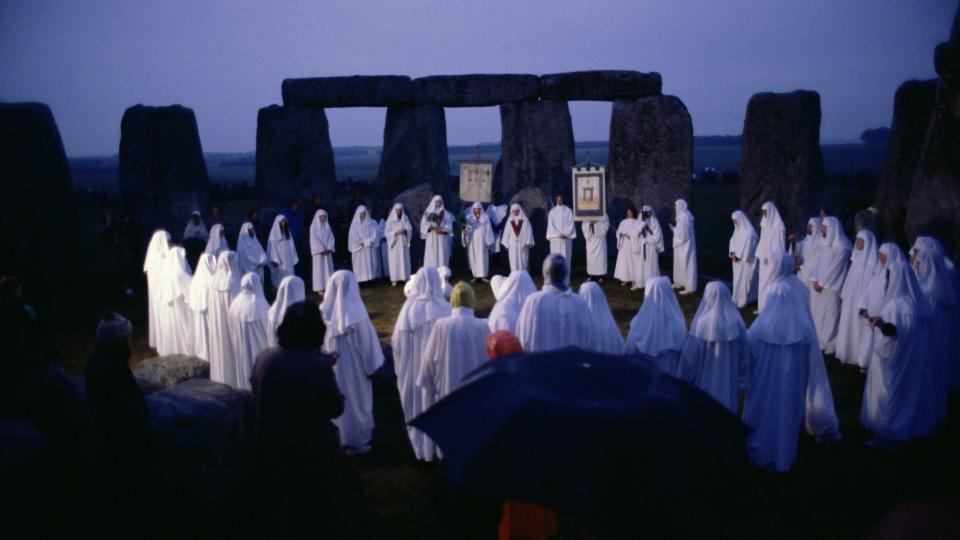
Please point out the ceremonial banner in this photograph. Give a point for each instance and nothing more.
(476, 181)
(589, 193)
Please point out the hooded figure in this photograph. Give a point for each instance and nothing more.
(827, 280)
(362, 243)
(217, 243)
(714, 356)
(248, 320)
(595, 234)
(626, 231)
(658, 329)
(496, 286)
(477, 238)
(422, 309)
(517, 238)
(684, 250)
(806, 250)
(445, 287)
(872, 300)
(176, 319)
(607, 338)
(281, 251)
(436, 228)
(223, 288)
(350, 333)
(322, 247)
(897, 401)
(787, 386)
(934, 280)
(772, 238)
(398, 233)
(511, 295)
(555, 317)
(864, 265)
(153, 267)
(457, 346)
(199, 301)
(647, 247)
(195, 228)
(290, 291)
(250, 253)
(497, 214)
(561, 230)
(742, 248)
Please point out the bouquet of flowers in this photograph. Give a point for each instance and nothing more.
(434, 219)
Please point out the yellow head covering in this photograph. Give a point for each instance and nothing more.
(462, 295)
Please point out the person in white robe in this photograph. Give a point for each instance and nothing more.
(827, 281)
(291, 290)
(743, 258)
(250, 253)
(457, 346)
(864, 265)
(497, 214)
(445, 287)
(322, 248)
(362, 243)
(422, 309)
(658, 329)
(217, 242)
(511, 295)
(248, 320)
(787, 385)
(496, 286)
(715, 354)
(561, 231)
(199, 302)
(351, 334)
(897, 402)
(595, 235)
(436, 230)
(934, 280)
(153, 264)
(477, 237)
(626, 230)
(772, 238)
(607, 338)
(223, 289)
(873, 299)
(805, 252)
(281, 250)
(647, 247)
(398, 232)
(176, 318)
(684, 249)
(517, 238)
(195, 228)
(555, 317)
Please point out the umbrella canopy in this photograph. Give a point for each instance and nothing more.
(586, 433)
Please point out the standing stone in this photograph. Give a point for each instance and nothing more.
(935, 197)
(414, 150)
(162, 173)
(294, 156)
(537, 141)
(651, 155)
(780, 157)
(908, 130)
(39, 214)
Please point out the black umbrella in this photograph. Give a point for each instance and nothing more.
(587, 434)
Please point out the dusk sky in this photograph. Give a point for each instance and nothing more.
(91, 60)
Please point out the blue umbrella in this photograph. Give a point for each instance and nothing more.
(586, 433)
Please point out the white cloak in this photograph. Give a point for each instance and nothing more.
(647, 246)
(153, 267)
(553, 319)
(561, 230)
(438, 239)
(248, 320)
(607, 338)
(291, 290)
(398, 232)
(624, 270)
(457, 346)
(595, 234)
(322, 248)
(684, 249)
(863, 266)
(658, 329)
(252, 257)
(743, 245)
(518, 244)
(176, 318)
(224, 288)
(772, 238)
(477, 238)
(282, 253)
(199, 301)
(511, 295)
(829, 272)
(362, 243)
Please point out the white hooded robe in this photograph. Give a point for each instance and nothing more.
(477, 238)
(829, 272)
(282, 252)
(362, 243)
(511, 295)
(595, 234)
(684, 249)
(607, 338)
(658, 329)
(322, 248)
(398, 232)
(863, 267)
(199, 301)
(176, 318)
(517, 237)
(561, 230)
(553, 319)
(743, 246)
(248, 320)
(250, 253)
(772, 238)
(223, 289)
(437, 237)
(290, 291)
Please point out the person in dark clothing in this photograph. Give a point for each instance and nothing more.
(298, 447)
(113, 256)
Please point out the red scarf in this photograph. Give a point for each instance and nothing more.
(517, 226)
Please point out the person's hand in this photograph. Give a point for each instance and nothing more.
(875, 322)
(334, 356)
(863, 313)
(817, 287)
(792, 237)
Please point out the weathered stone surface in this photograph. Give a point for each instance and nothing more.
(414, 150)
(935, 197)
(163, 177)
(908, 130)
(167, 371)
(780, 155)
(651, 154)
(475, 90)
(203, 442)
(536, 205)
(537, 140)
(599, 85)
(37, 191)
(354, 91)
(294, 156)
